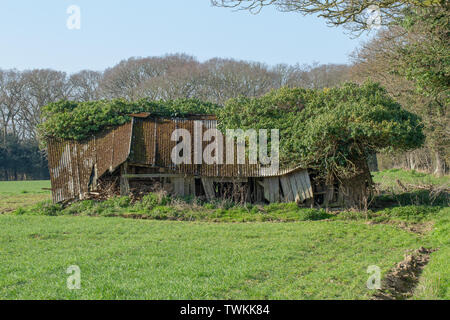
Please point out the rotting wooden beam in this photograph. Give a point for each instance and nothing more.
(287, 190)
(275, 188)
(229, 179)
(272, 189)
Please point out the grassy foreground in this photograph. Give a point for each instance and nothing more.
(205, 254)
(147, 259)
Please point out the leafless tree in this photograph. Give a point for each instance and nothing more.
(353, 14)
(41, 87)
(85, 85)
(11, 96)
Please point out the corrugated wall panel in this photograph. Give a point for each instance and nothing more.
(72, 163)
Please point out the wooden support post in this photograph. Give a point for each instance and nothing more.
(189, 186)
(178, 186)
(124, 182)
(209, 188)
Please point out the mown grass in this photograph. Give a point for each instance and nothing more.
(15, 194)
(148, 259)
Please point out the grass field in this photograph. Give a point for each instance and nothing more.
(212, 258)
(388, 178)
(134, 259)
(14, 194)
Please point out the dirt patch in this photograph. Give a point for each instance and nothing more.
(401, 281)
(419, 228)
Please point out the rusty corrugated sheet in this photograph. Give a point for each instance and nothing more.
(152, 145)
(73, 164)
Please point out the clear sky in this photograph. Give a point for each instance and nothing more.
(33, 34)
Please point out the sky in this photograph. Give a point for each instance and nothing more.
(34, 34)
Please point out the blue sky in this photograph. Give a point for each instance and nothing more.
(33, 34)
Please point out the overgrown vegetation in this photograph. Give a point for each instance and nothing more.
(80, 120)
(152, 206)
(332, 130)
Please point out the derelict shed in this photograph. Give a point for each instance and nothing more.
(136, 157)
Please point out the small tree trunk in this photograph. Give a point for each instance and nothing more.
(412, 161)
(439, 165)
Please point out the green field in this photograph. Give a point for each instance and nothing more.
(387, 179)
(134, 259)
(212, 258)
(14, 194)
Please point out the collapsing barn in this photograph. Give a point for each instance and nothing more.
(137, 156)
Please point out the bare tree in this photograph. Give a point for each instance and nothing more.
(85, 85)
(11, 96)
(353, 14)
(41, 87)
(126, 79)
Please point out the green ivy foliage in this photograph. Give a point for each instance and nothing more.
(331, 129)
(80, 120)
